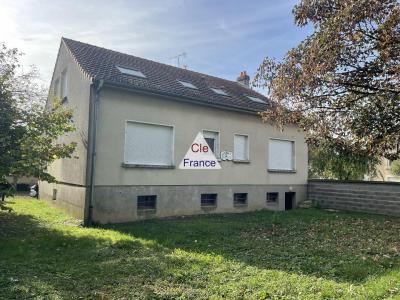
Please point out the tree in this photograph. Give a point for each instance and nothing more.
(29, 132)
(341, 84)
(395, 167)
(338, 163)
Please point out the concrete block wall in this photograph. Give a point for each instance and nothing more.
(115, 204)
(363, 196)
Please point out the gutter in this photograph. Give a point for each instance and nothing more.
(95, 89)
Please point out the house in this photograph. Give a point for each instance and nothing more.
(135, 121)
(384, 172)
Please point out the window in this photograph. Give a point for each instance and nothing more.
(147, 202)
(188, 84)
(240, 147)
(239, 199)
(56, 88)
(132, 72)
(148, 144)
(64, 86)
(255, 99)
(388, 163)
(281, 155)
(272, 198)
(212, 139)
(54, 194)
(208, 200)
(219, 91)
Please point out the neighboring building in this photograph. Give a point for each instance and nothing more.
(24, 183)
(135, 120)
(384, 173)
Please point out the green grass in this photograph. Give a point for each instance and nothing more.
(302, 254)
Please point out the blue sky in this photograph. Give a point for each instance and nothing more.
(221, 38)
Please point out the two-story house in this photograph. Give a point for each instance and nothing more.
(135, 121)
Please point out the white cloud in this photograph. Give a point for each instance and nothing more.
(219, 37)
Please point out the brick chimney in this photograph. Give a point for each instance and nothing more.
(244, 79)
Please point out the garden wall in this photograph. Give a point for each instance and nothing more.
(364, 196)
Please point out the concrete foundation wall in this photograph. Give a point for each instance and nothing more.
(70, 199)
(115, 204)
(364, 196)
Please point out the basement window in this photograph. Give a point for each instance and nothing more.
(239, 199)
(146, 203)
(272, 198)
(188, 84)
(219, 91)
(208, 200)
(54, 194)
(131, 72)
(255, 99)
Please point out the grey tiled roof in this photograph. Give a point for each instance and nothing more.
(100, 63)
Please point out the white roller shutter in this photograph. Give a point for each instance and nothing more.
(241, 147)
(281, 155)
(148, 144)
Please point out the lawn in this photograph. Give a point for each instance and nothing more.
(301, 254)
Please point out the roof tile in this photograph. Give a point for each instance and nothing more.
(100, 63)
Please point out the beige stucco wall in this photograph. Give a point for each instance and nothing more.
(70, 199)
(116, 107)
(73, 170)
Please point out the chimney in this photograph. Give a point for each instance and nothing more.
(244, 79)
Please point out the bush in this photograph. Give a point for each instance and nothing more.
(395, 167)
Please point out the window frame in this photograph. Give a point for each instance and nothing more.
(138, 74)
(293, 170)
(56, 87)
(248, 148)
(64, 89)
(272, 202)
(213, 206)
(220, 91)
(134, 165)
(146, 209)
(187, 84)
(253, 98)
(236, 204)
(218, 154)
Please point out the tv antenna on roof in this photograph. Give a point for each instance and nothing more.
(179, 59)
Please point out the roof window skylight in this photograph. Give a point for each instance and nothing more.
(131, 72)
(255, 99)
(219, 91)
(188, 84)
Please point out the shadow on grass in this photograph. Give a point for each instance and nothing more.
(144, 260)
(344, 247)
(40, 261)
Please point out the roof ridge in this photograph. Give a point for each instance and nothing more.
(153, 61)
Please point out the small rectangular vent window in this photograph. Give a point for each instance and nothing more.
(188, 84)
(147, 202)
(255, 99)
(54, 194)
(219, 91)
(132, 72)
(239, 199)
(272, 198)
(208, 200)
